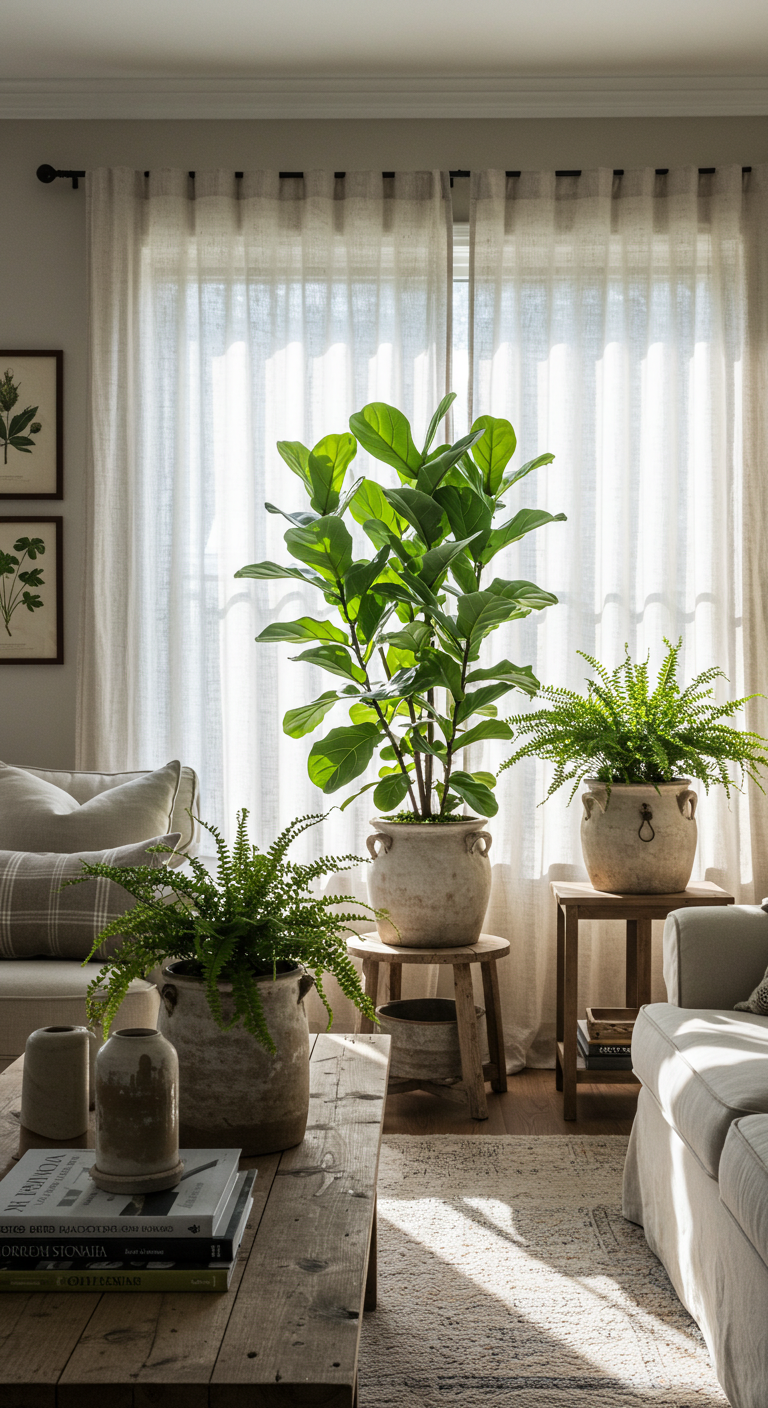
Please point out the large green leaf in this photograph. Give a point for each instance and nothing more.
(530, 596)
(303, 629)
(372, 612)
(421, 511)
(325, 545)
(442, 410)
(478, 699)
(493, 453)
(296, 457)
(273, 571)
(523, 522)
(489, 728)
(435, 563)
(307, 717)
(342, 755)
(468, 514)
(391, 791)
(413, 637)
(335, 659)
(510, 479)
(464, 573)
(299, 519)
(327, 466)
(369, 503)
(362, 575)
(438, 466)
(481, 612)
(516, 676)
(384, 432)
(421, 744)
(475, 793)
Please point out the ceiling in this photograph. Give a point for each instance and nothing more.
(231, 39)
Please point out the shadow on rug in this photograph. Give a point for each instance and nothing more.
(507, 1275)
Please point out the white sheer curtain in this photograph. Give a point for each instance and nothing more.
(620, 322)
(226, 314)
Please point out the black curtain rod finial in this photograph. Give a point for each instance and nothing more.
(47, 174)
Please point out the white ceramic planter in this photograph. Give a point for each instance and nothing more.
(425, 1038)
(232, 1091)
(434, 881)
(640, 841)
(137, 1113)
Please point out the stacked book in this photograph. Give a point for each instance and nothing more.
(59, 1232)
(611, 1053)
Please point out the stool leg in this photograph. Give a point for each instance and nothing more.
(559, 1018)
(494, 1024)
(570, 1011)
(395, 981)
(469, 1045)
(632, 957)
(371, 989)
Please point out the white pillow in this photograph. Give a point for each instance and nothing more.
(35, 815)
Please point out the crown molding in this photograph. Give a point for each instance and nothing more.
(381, 97)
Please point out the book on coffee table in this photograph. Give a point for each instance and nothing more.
(601, 1057)
(80, 1252)
(50, 1194)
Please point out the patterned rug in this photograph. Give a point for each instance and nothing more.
(507, 1275)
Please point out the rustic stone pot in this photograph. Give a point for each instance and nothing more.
(425, 1038)
(434, 881)
(232, 1092)
(640, 841)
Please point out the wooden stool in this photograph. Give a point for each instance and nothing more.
(486, 951)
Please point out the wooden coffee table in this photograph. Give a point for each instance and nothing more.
(288, 1330)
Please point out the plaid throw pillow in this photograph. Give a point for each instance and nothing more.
(40, 920)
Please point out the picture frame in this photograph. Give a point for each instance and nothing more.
(31, 424)
(31, 590)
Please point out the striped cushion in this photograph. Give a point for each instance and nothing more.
(39, 919)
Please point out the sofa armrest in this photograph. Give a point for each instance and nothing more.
(714, 957)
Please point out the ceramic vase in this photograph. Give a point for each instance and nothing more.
(640, 840)
(137, 1113)
(434, 881)
(54, 1091)
(234, 1091)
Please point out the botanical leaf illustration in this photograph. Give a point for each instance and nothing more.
(14, 583)
(11, 427)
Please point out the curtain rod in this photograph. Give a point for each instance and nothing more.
(47, 174)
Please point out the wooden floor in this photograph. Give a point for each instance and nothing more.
(532, 1105)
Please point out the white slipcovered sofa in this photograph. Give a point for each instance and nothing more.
(42, 991)
(696, 1176)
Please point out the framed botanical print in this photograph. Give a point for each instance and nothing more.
(31, 602)
(31, 425)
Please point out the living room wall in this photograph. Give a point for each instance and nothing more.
(42, 271)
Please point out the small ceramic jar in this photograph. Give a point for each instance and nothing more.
(54, 1090)
(137, 1113)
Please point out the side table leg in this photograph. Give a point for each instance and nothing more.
(395, 981)
(644, 936)
(469, 1045)
(494, 1024)
(371, 989)
(559, 978)
(631, 968)
(370, 1298)
(570, 1010)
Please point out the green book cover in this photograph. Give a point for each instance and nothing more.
(119, 1277)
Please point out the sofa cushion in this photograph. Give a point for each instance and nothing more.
(40, 918)
(705, 1068)
(85, 785)
(48, 992)
(743, 1178)
(36, 815)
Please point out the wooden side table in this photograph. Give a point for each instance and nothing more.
(582, 901)
(486, 952)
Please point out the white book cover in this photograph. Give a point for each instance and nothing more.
(51, 1192)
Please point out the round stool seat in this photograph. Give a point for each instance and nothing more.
(488, 947)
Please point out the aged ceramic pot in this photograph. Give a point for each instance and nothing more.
(233, 1093)
(54, 1091)
(137, 1113)
(640, 841)
(425, 1038)
(434, 881)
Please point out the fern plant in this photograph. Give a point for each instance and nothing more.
(254, 915)
(628, 731)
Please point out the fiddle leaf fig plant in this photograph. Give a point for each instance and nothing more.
(410, 617)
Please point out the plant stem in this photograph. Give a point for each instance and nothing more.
(375, 702)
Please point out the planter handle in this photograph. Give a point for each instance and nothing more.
(683, 799)
(592, 800)
(306, 983)
(472, 839)
(169, 997)
(386, 844)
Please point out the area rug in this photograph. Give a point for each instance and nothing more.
(507, 1276)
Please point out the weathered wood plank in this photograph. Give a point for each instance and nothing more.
(294, 1331)
(469, 1042)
